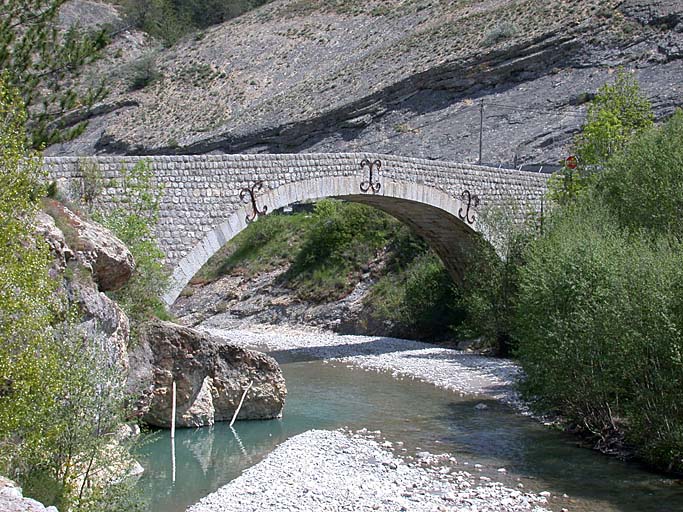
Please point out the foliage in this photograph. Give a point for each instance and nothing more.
(170, 20)
(600, 318)
(618, 113)
(491, 278)
(601, 324)
(85, 465)
(133, 218)
(26, 291)
(38, 60)
(500, 32)
(57, 398)
(419, 301)
(642, 185)
(144, 72)
(342, 238)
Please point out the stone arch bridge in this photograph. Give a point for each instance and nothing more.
(208, 199)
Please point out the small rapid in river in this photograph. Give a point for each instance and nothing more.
(486, 437)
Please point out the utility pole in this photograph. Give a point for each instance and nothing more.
(481, 126)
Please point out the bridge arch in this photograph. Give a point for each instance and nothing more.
(201, 207)
(432, 213)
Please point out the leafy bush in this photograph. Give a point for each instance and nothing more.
(491, 279)
(144, 72)
(59, 399)
(170, 20)
(342, 238)
(328, 251)
(642, 185)
(26, 291)
(420, 301)
(132, 220)
(500, 32)
(602, 331)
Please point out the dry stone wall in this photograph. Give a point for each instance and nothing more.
(201, 207)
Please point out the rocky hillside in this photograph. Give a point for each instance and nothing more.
(395, 76)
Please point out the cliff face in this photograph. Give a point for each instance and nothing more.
(401, 77)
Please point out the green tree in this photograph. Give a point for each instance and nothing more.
(41, 62)
(642, 184)
(54, 380)
(26, 291)
(618, 113)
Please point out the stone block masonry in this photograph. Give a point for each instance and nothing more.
(201, 208)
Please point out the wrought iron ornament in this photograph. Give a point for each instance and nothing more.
(370, 184)
(472, 202)
(251, 192)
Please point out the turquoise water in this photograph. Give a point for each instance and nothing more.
(325, 396)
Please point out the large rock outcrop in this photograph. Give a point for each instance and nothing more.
(210, 374)
(98, 261)
(95, 247)
(12, 499)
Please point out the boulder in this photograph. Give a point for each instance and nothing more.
(210, 374)
(61, 253)
(78, 244)
(12, 499)
(95, 247)
(103, 317)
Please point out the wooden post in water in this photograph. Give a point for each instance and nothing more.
(237, 411)
(173, 411)
(173, 398)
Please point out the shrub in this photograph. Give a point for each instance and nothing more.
(144, 72)
(642, 185)
(170, 20)
(58, 397)
(419, 300)
(491, 278)
(133, 220)
(499, 33)
(341, 239)
(600, 324)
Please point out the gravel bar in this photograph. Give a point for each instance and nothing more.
(459, 371)
(322, 470)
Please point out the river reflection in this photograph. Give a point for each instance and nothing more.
(421, 416)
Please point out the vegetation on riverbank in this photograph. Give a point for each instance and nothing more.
(329, 249)
(600, 309)
(61, 396)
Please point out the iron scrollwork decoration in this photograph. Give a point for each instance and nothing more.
(472, 202)
(251, 192)
(374, 186)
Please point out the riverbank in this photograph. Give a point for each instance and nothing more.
(331, 471)
(462, 372)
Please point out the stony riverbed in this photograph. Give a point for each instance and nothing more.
(455, 370)
(323, 470)
(330, 470)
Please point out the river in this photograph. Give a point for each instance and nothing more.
(414, 416)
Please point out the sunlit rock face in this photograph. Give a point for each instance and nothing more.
(211, 377)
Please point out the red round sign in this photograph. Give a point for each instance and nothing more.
(571, 162)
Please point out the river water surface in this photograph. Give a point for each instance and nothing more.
(424, 418)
